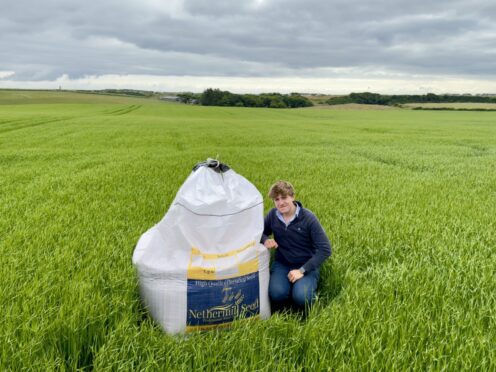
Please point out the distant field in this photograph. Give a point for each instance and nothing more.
(318, 99)
(21, 97)
(354, 107)
(460, 105)
(408, 199)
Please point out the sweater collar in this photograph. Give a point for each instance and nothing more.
(297, 212)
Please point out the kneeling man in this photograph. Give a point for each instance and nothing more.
(302, 246)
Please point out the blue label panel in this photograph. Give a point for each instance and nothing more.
(213, 302)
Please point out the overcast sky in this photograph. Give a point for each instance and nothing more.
(328, 46)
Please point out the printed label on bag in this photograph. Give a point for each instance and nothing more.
(222, 287)
(215, 302)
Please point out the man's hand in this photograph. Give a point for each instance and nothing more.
(294, 275)
(270, 243)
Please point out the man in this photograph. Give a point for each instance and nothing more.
(301, 244)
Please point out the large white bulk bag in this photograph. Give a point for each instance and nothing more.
(202, 265)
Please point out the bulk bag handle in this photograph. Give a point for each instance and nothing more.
(214, 164)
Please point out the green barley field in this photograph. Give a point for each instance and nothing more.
(408, 200)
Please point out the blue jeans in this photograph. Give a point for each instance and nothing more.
(302, 292)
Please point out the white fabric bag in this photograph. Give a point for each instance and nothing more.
(202, 265)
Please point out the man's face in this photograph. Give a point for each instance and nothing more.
(284, 204)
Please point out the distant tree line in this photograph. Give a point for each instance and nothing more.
(391, 100)
(217, 97)
(187, 97)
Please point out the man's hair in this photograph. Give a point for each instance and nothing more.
(281, 188)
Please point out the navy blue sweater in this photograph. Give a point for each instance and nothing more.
(303, 243)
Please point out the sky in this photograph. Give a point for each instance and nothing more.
(311, 46)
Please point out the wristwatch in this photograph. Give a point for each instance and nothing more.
(302, 270)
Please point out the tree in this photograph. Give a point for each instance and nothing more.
(211, 97)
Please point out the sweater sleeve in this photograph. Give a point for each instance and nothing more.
(267, 228)
(321, 243)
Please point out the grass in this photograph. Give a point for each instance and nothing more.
(408, 199)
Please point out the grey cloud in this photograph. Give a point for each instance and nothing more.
(252, 38)
(219, 8)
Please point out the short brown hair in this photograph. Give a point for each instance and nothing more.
(281, 188)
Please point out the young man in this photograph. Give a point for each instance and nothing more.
(301, 244)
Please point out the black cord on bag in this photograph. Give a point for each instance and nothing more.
(214, 164)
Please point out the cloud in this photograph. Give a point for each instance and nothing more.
(6, 74)
(254, 38)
